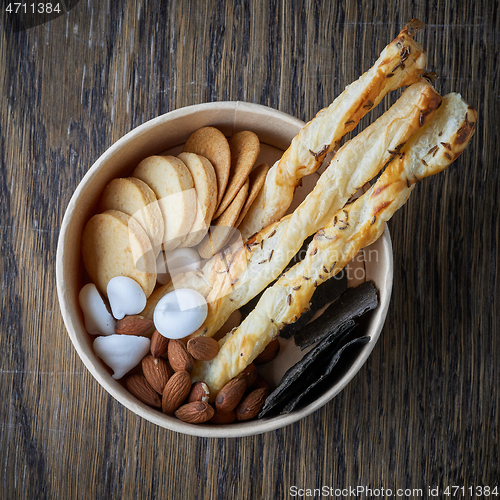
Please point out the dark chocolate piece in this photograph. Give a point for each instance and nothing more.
(350, 305)
(303, 370)
(334, 359)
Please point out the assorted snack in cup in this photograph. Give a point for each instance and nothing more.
(187, 242)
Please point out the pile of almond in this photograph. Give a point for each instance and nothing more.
(164, 379)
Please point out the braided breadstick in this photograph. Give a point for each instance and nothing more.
(400, 64)
(231, 280)
(356, 226)
(264, 257)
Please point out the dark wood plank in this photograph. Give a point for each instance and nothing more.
(423, 411)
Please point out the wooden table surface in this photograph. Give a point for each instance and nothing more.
(422, 412)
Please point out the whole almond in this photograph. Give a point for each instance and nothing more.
(203, 348)
(250, 374)
(223, 417)
(156, 371)
(142, 390)
(269, 353)
(230, 395)
(199, 392)
(175, 391)
(159, 344)
(252, 404)
(133, 325)
(196, 412)
(178, 357)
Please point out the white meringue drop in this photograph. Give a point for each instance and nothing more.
(178, 261)
(182, 260)
(126, 296)
(98, 320)
(180, 313)
(121, 352)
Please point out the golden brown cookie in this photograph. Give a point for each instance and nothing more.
(114, 244)
(173, 185)
(257, 179)
(135, 198)
(245, 148)
(205, 184)
(223, 227)
(212, 144)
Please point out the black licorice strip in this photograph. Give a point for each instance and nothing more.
(353, 303)
(331, 336)
(303, 370)
(325, 293)
(334, 359)
(304, 318)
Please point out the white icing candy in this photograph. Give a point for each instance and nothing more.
(121, 352)
(182, 260)
(178, 261)
(98, 320)
(125, 296)
(180, 313)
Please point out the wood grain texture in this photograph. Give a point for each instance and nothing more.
(423, 411)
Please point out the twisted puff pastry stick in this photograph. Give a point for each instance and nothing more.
(264, 258)
(400, 64)
(230, 280)
(352, 228)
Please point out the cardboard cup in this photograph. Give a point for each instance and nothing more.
(168, 133)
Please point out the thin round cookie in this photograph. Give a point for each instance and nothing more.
(222, 228)
(245, 148)
(173, 185)
(114, 244)
(212, 144)
(205, 185)
(135, 198)
(257, 179)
